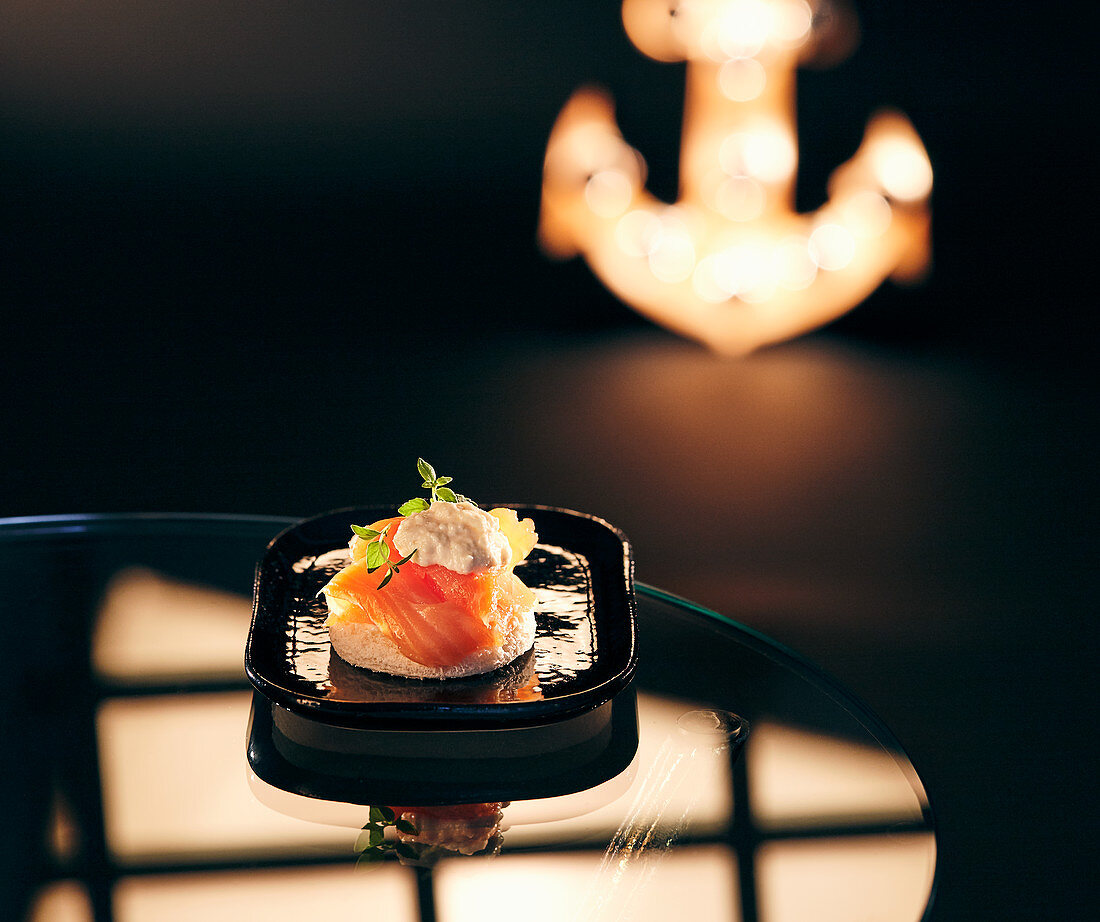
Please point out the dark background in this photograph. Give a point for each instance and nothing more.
(257, 258)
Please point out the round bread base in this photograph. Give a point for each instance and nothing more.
(364, 645)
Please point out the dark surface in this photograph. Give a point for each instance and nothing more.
(217, 229)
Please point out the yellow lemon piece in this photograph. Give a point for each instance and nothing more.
(520, 533)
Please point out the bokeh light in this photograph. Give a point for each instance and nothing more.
(733, 235)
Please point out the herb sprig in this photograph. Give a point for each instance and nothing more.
(378, 552)
(371, 843)
(438, 487)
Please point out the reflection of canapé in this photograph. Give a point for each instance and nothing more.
(464, 829)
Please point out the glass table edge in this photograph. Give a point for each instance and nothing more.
(776, 650)
(14, 527)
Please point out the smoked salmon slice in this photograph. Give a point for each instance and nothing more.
(433, 615)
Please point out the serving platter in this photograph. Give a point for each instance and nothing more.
(582, 574)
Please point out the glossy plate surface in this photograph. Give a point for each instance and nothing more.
(581, 572)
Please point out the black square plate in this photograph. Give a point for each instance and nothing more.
(581, 571)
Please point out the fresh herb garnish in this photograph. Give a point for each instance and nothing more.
(371, 843)
(438, 487)
(416, 504)
(378, 552)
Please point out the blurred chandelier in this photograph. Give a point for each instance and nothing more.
(731, 263)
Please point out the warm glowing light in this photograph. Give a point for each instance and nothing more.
(151, 628)
(841, 879)
(803, 775)
(638, 233)
(744, 26)
(673, 255)
(792, 22)
(902, 168)
(740, 198)
(832, 247)
(160, 799)
(867, 214)
(766, 153)
(743, 270)
(742, 79)
(280, 894)
(691, 882)
(793, 265)
(733, 239)
(705, 281)
(608, 193)
(63, 901)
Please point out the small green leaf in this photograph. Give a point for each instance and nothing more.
(447, 495)
(370, 837)
(387, 577)
(370, 856)
(367, 533)
(406, 827)
(378, 552)
(426, 471)
(404, 560)
(405, 850)
(443, 481)
(417, 504)
(381, 814)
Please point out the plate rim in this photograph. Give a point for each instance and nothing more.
(434, 715)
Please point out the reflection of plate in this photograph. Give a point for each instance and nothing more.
(581, 572)
(343, 765)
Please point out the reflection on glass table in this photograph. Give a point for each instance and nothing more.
(135, 776)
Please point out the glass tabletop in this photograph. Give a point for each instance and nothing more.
(731, 781)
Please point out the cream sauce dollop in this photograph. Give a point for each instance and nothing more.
(458, 536)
